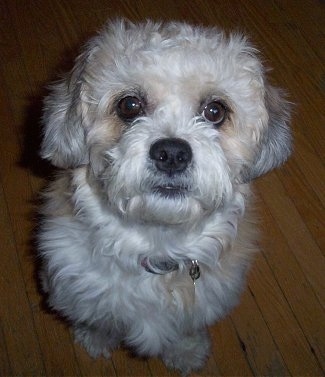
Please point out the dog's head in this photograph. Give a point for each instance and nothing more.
(169, 119)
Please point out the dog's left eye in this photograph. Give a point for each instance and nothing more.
(129, 108)
(215, 112)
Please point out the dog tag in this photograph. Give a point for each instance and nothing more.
(194, 270)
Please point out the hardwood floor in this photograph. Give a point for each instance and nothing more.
(279, 328)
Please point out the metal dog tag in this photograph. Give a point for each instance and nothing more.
(194, 270)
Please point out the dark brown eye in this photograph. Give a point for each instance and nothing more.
(215, 112)
(129, 108)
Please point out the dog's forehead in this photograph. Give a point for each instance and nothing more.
(175, 85)
(184, 73)
(173, 62)
(189, 77)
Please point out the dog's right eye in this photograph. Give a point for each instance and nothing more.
(215, 112)
(129, 108)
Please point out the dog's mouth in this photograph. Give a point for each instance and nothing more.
(170, 191)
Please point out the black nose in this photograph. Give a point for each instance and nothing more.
(171, 155)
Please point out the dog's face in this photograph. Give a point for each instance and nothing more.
(169, 119)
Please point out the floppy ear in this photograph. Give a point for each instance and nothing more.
(64, 133)
(275, 145)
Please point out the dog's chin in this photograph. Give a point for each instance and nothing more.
(166, 205)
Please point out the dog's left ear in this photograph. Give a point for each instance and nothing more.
(275, 145)
(64, 120)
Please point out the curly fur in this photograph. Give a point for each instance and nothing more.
(103, 214)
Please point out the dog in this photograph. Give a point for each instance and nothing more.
(147, 235)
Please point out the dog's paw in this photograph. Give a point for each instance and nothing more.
(189, 354)
(96, 342)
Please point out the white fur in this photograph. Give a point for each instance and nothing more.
(102, 215)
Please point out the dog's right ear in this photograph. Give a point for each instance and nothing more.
(275, 145)
(63, 119)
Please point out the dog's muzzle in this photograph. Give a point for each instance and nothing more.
(171, 157)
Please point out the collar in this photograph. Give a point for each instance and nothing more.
(162, 266)
(159, 266)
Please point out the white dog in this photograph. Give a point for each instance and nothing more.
(158, 131)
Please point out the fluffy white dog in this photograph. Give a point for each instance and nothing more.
(158, 131)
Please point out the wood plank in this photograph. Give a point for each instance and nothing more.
(311, 167)
(290, 278)
(5, 367)
(256, 339)
(23, 354)
(22, 346)
(282, 322)
(18, 197)
(293, 228)
(310, 209)
(227, 349)
(309, 18)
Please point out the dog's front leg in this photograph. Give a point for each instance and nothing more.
(97, 341)
(189, 353)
